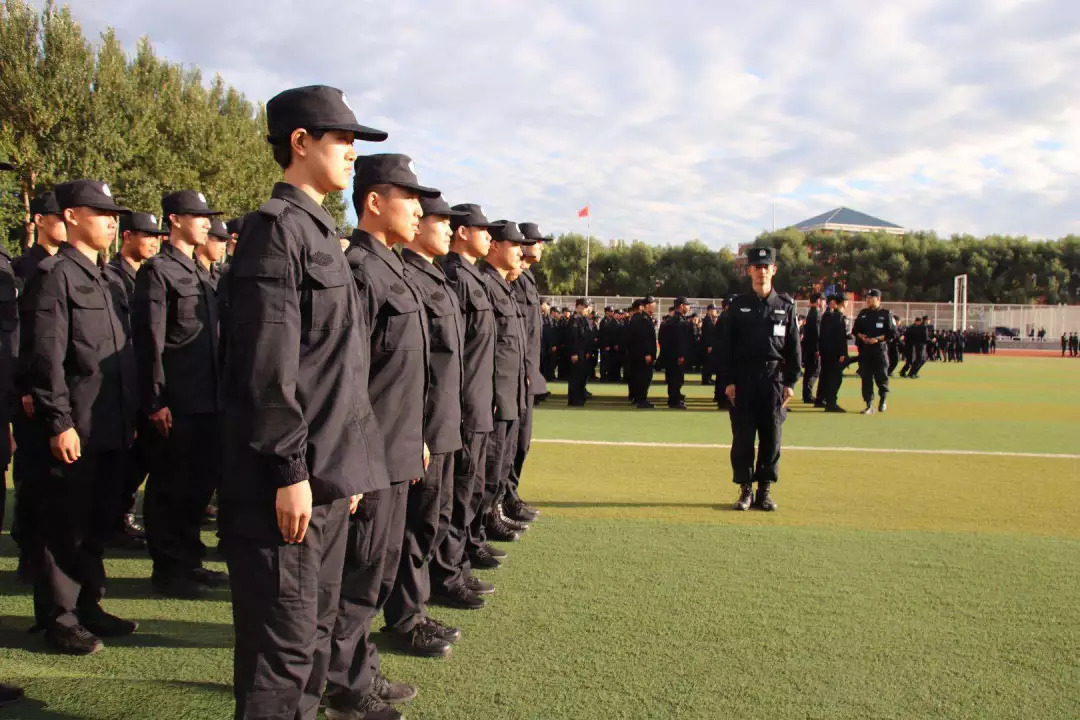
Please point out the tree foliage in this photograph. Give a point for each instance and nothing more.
(147, 127)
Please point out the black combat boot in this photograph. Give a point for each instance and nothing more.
(763, 500)
(746, 497)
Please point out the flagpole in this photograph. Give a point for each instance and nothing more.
(588, 246)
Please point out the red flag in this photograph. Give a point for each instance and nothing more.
(583, 212)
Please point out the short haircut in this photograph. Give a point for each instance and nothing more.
(360, 195)
(282, 147)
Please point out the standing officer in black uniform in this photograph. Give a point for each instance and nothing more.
(175, 324)
(549, 345)
(580, 344)
(301, 442)
(759, 366)
(140, 240)
(833, 346)
(431, 501)
(873, 328)
(719, 397)
(31, 459)
(915, 347)
(810, 340)
(608, 338)
(708, 344)
(462, 548)
(9, 354)
(82, 379)
(893, 348)
(641, 350)
(677, 353)
(386, 194)
(511, 382)
(528, 299)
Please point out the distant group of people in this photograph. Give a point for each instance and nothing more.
(1070, 344)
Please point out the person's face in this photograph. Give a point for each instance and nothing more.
(651, 308)
(713, 313)
(684, 309)
(566, 314)
(609, 313)
(434, 236)
(873, 302)
(587, 310)
(761, 274)
(192, 229)
(141, 246)
(537, 253)
(230, 246)
(96, 228)
(51, 228)
(399, 213)
(505, 255)
(215, 249)
(476, 240)
(330, 158)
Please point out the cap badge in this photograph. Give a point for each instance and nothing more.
(345, 102)
(105, 190)
(412, 168)
(202, 198)
(153, 219)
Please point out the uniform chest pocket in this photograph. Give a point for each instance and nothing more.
(401, 314)
(188, 295)
(506, 323)
(442, 321)
(329, 298)
(478, 301)
(89, 315)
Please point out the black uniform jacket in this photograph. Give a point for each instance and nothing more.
(510, 380)
(446, 328)
(397, 380)
(80, 365)
(528, 299)
(174, 316)
(478, 358)
(9, 337)
(295, 400)
(760, 331)
(874, 324)
(640, 337)
(833, 344)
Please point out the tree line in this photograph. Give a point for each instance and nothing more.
(72, 108)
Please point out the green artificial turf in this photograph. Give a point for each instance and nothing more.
(888, 585)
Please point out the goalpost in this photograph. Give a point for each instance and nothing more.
(959, 307)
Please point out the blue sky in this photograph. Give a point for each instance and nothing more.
(681, 119)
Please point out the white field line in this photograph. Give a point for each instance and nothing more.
(796, 448)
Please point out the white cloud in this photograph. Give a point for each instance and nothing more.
(682, 119)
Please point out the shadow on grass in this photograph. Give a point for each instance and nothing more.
(166, 693)
(116, 588)
(707, 506)
(693, 404)
(15, 634)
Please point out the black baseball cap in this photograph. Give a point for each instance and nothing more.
(636, 304)
(388, 169)
(236, 225)
(506, 231)
(218, 230)
(531, 231)
(836, 297)
(710, 306)
(5, 165)
(761, 256)
(648, 300)
(815, 296)
(873, 292)
(439, 206)
(680, 301)
(609, 308)
(314, 107)
(474, 217)
(186, 202)
(141, 222)
(583, 302)
(44, 203)
(87, 193)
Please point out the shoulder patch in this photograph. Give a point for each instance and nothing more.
(478, 293)
(438, 296)
(274, 207)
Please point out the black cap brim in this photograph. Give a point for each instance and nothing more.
(106, 207)
(362, 132)
(419, 189)
(447, 214)
(6, 166)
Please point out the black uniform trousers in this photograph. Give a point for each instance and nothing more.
(675, 375)
(811, 373)
(640, 376)
(521, 450)
(609, 365)
(874, 369)
(758, 412)
(284, 602)
(894, 357)
(138, 466)
(372, 555)
(832, 377)
(450, 566)
(75, 509)
(914, 360)
(502, 445)
(579, 376)
(29, 474)
(427, 517)
(186, 471)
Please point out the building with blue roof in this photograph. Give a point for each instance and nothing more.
(850, 221)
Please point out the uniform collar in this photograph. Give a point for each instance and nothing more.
(416, 260)
(81, 260)
(171, 252)
(368, 242)
(456, 259)
(299, 198)
(490, 271)
(121, 263)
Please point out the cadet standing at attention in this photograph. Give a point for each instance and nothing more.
(580, 342)
(873, 327)
(833, 347)
(301, 442)
(175, 324)
(386, 195)
(810, 340)
(82, 379)
(641, 352)
(759, 366)
(431, 501)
